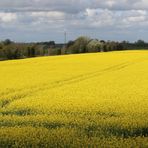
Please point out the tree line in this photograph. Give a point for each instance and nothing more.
(13, 50)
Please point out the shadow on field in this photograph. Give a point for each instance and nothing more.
(19, 112)
(106, 125)
(115, 130)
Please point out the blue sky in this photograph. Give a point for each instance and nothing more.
(44, 20)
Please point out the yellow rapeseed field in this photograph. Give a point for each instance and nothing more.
(88, 100)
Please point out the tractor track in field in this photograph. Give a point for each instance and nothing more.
(4, 102)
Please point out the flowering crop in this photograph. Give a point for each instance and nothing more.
(87, 100)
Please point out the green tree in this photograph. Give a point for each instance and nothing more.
(7, 42)
(11, 52)
(94, 46)
(79, 45)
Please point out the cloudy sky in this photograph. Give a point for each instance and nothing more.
(44, 20)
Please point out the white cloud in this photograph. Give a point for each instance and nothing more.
(49, 15)
(136, 19)
(75, 15)
(7, 17)
(72, 6)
